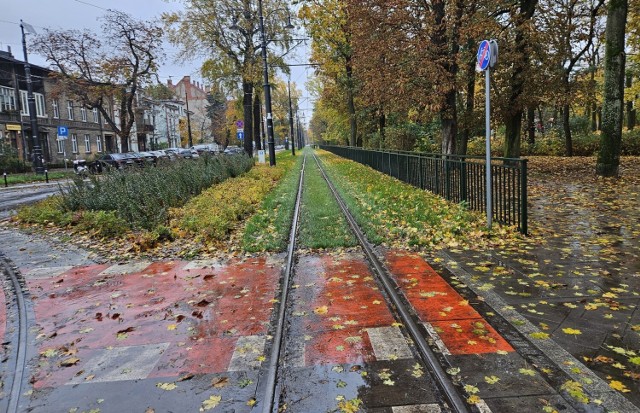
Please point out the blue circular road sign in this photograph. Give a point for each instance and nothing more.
(484, 55)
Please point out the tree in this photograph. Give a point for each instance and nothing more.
(329, 25)
(159, 91)
(227, 33)
(216, 111)
(105, 71)
(612, 108)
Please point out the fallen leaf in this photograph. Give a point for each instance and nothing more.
(210, 403)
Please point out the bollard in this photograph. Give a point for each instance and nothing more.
(46, 175)
(6, 184)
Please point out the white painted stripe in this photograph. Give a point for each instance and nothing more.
(47, 272)
(121, 363)
(202, 264)
(245, 356)
(388, 343)
(436, 338)
(129, 268)
(483, 407)
(417, 408)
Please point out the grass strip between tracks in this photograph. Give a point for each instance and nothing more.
(322, 223)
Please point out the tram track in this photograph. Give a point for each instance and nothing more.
(453, 398)
(16, 345)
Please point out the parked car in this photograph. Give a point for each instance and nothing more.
(210, 148)
(164, 156)
(233, 150)
(117, 160)
(188, 154)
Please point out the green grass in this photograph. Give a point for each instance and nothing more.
(322, 224)
(17, 179)
(393, 213)
(268, 229)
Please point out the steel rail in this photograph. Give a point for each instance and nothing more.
(451, 394)
(19, 348)
(274, 359)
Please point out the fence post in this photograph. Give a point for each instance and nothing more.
(447, 179)
(523, 198)
(463, 179)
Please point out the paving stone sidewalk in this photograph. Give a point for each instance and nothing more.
(578, 281)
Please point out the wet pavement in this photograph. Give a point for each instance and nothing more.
(548, 325)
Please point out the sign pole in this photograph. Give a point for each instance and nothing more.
(487, 58)
(488, 145)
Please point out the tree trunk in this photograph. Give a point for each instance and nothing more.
(631, 112)
(614, 65)
(513, 119)
(382, 124)
(531, 126)
(256, 121)
(594, 118)
(351, 106)
(463, 141)
(124, 130)
(566, 127)
(449, 120)
(247, 113)
(512, 128)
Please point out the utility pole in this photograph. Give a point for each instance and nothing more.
(267, 91)
(186, 96)
(293, 143)
(37, 151)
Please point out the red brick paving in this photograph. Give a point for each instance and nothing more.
(462, 329)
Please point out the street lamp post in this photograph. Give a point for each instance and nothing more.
(37, 151)
(291, 139)
(267, 91)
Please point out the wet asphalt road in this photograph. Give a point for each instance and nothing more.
(15, 196)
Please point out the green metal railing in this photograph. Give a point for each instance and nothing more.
(454, 177)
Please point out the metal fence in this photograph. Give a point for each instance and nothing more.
(455, 178)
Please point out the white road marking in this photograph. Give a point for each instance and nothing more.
(126, 268)
(388, 343)
(436, 339)
(46, 272)
(245, 356)
(121, 363)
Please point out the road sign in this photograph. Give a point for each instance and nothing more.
(240, 135)
(63, 132)
(240, 124)
(484, 55)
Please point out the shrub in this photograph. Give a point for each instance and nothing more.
(143, 197)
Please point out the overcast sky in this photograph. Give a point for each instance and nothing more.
(84, 14)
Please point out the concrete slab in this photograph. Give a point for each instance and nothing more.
(388, 343)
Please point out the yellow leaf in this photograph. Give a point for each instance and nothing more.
(210, 403)
(172, 327)
(321, 310)
(571, 331)
(491, 379)
(166, 386)
(617, 385)
(252, 402)
(475, 399)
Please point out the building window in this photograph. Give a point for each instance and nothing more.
(74, 143)
(41, 110)
(24, 102)
(83, 113)
(87, 143)
(95, 115)
(70, 109)
(99, 143)
(60, 143)
(7, 99)
(56, 109)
